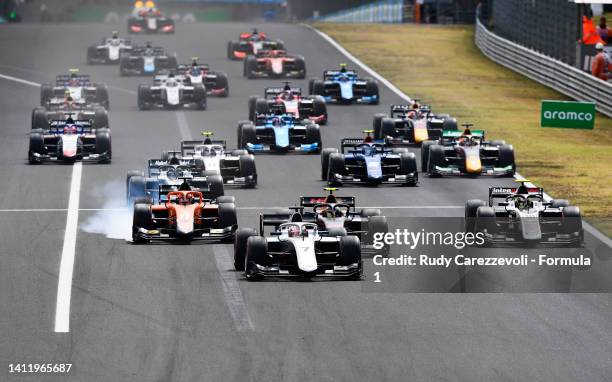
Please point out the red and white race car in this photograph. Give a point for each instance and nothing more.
(251, 44)
(274, 63)
(288, 99)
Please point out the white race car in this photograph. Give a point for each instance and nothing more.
(171, 92)
(109, 50)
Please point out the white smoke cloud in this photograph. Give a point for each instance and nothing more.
(114, 220)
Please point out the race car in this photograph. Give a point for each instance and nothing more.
(237, 167)
(467, 153)
(170, 92)
(522, 216)
(279, 133)
(216, 83)
(62, 108)
(297, 248)
(148, 19)
(171, 170)
(335, 216)
(288, 99)
(411, 125)
(79, 86)
(251, 44)
(109, 50)
(345, 86)
(364, 161)
(69, 141)
(146, 60)
(275, 64)
(185, 214)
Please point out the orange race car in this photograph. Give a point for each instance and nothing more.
(251, 44)
(184, 214)
(274, 63)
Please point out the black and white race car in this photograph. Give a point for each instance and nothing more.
(146, 60)
(109, 50)
(68, 141)
(237, 167)
(170, 92)
(521, 216)
(297, 248)
(287, 99)
(78, 86)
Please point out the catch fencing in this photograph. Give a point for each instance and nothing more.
(553, 73)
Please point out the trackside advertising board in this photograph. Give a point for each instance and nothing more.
(568, 114)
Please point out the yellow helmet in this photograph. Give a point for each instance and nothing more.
(138, 4)
(150, 4)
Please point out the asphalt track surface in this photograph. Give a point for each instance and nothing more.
(180, 313)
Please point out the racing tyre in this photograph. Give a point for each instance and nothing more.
(350, 253)
(144, 96)
(240, 243)
(557, 203)
(102, 96)
(227, 217)
(171, 63)
(310, 84)
(247, 134)
(256, 253)
(124, 63)
(250, 66)
(325, 161)
(199, 97)
(425, 154)
(485, 219)
(300, 66)
(336, 166)
(377, 124)
(387, 128)
(46, 93)
(313, 135)
(138, 189)
(215, 186)
(318, 88)
(247, 167)
(408, 165)
(471, 206)
(376, 224)
(450, 124)
(506, 157)
(230, 50)
(252, 101)
(572, 220)
(372, 91)
(143, 218)
(320, 108)
(338, 231)
(103, 144)
(261, 107)
(435, 158)
(100, 119)
(222, 83)
(37, 146)
(39, 118)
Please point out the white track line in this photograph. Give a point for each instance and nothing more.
(21, 81)
(231, 290)
(594, 231)
(183, 126)
(64, 285)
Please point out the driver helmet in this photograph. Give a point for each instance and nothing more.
(174, 161)
(294, 231)
(115, 35)
(287, 95)
(521, 203)
(70, 128)
(411, 115)
(148, 45)
(342, 68)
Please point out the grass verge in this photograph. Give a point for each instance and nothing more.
(441, 66)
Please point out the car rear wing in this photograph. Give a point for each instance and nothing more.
(274, 219)
(503, 192)
(186, 67)
(196, 184)
(83, 126)
(275, 91)
(64, 79)
(329, 74)
(311, 201)
(454, 134)
(140, 50)
(188, 147)
(352, 143)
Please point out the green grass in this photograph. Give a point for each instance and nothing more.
(442, 66)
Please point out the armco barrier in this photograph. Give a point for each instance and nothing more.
(389, 11)
(555, 74)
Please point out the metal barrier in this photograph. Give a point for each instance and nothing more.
(388, 11)
(553, 73)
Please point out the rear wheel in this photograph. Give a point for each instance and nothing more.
(485, 219)
(377, 124)
(102, 96)
(136, 186)
(247, 134)
(39, 118)
(372, 91)
(215, 186)
(103, 144)
(313, 135)
(387, 128)
(143, 218)
(250, 67)
(144, 96)
(325, 161)
(450, 124)
(350, 253)
(377, 225)
(336, 166)
(318, 88)
(506, 157)
(100, 118)
(46, 93)
(37, 146)
(320, 108)
(436, 159)
(300, 67)
(227, 217)
(247, 167)
(222, 83)
(199, 97)
(425, 154)
(408, 165)
(572, 220)
(471, 206)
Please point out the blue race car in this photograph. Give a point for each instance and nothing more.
(365, 161)
(146, 60)
(345, 86)
(281, 133)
